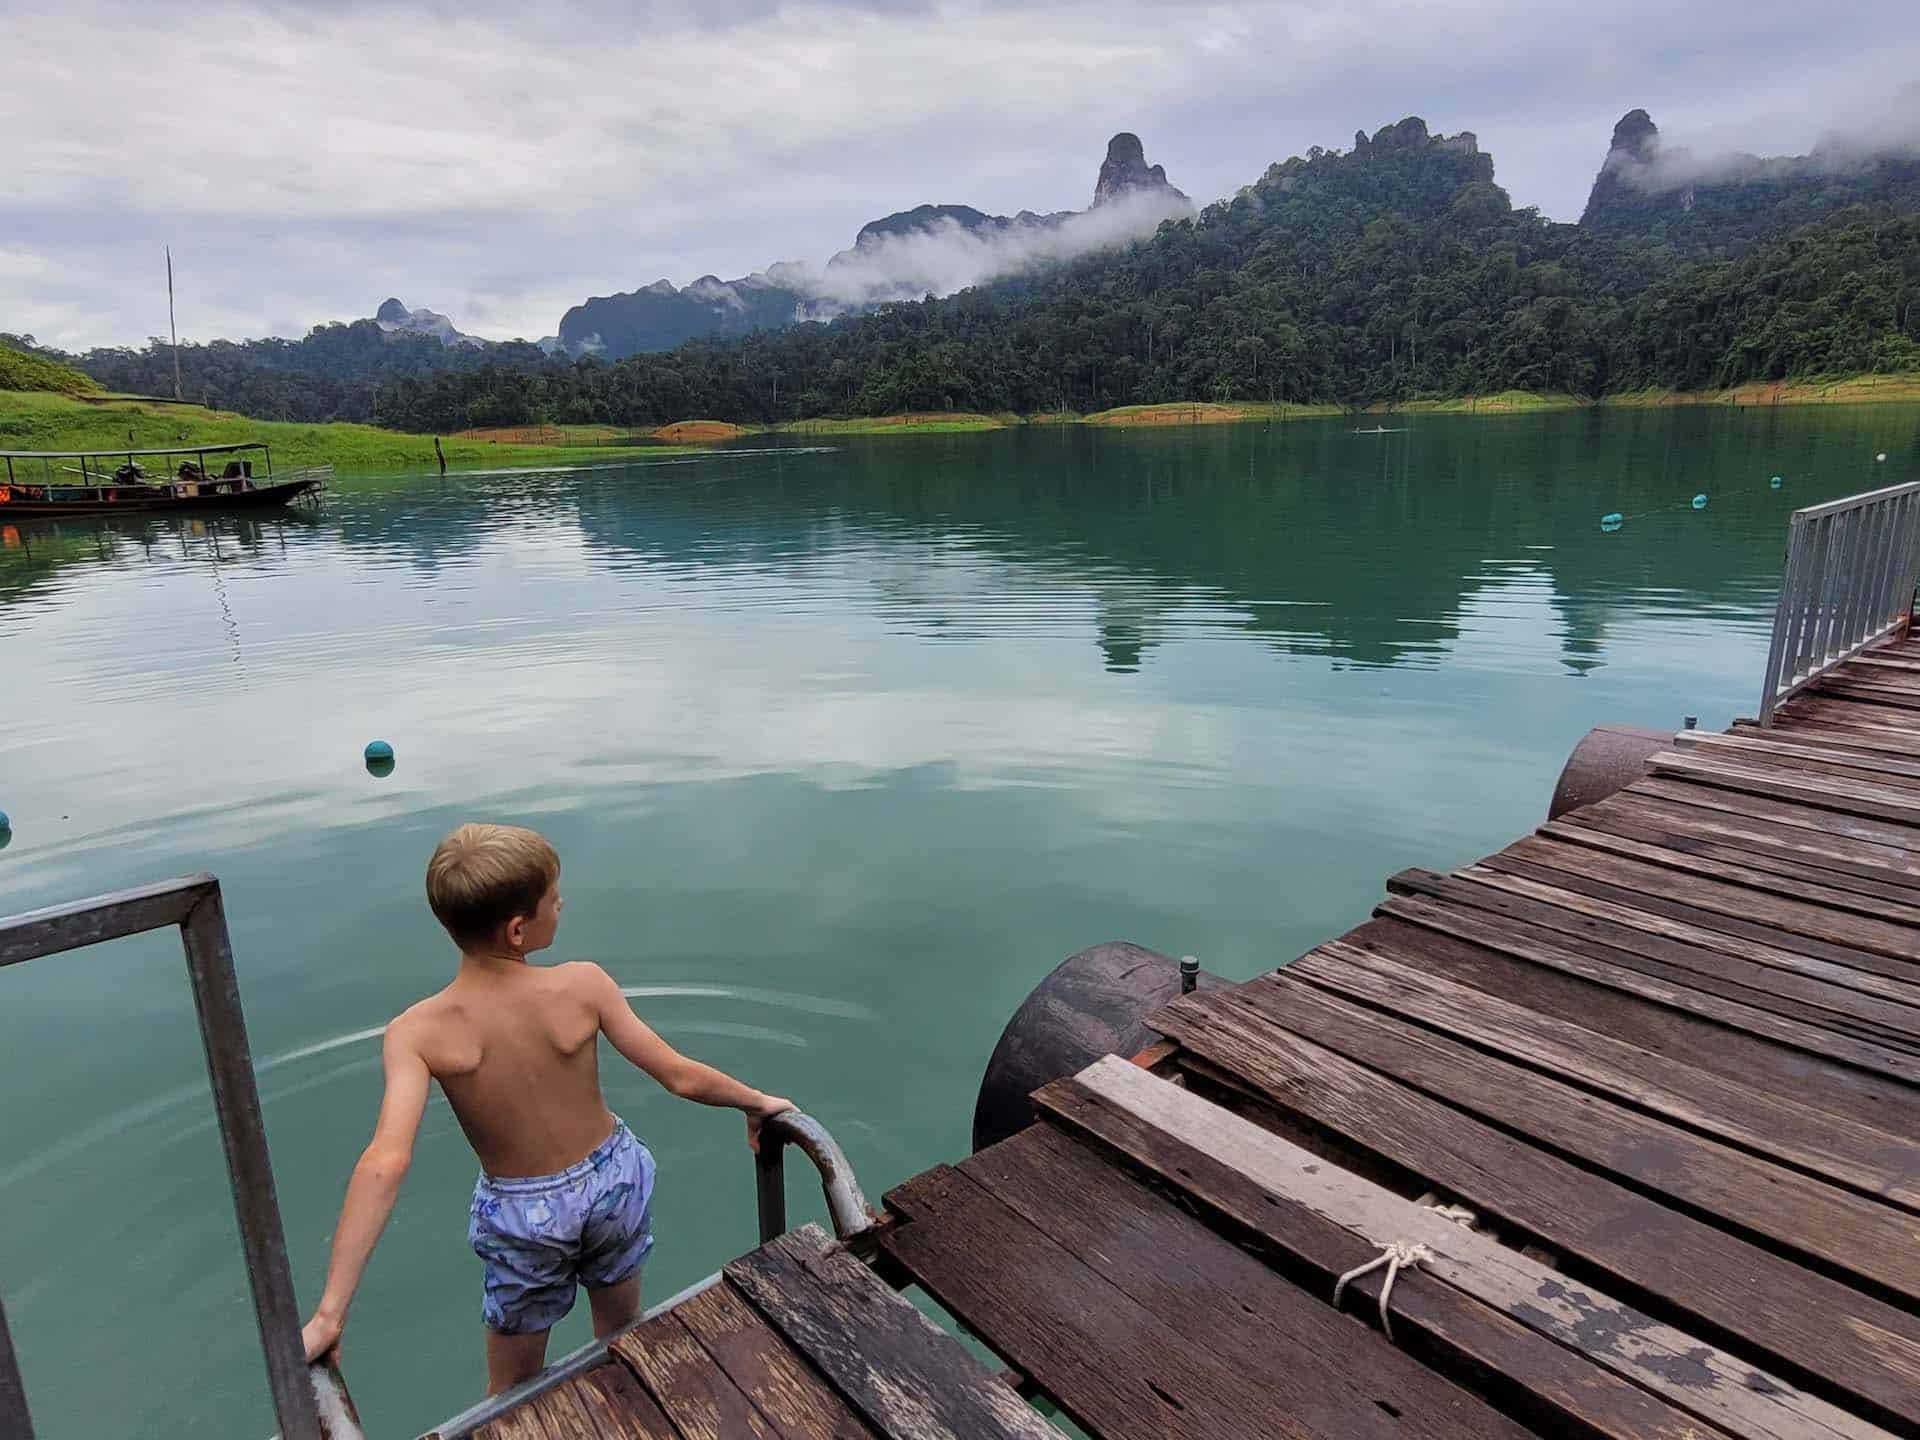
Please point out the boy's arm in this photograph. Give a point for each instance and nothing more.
(372, 1190)
(681, 1075)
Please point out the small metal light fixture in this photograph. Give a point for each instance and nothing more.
(1189, 974)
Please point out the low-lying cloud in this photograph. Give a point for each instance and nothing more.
(947, 256)
(1887, 131)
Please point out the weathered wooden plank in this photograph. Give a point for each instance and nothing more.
(1844, 710)
(1825, 792)
(1785, 749)
(798, 1404)
(1841, 1150)
(1855, 667)
(1747, 970)
(1823, 1335)
(1714, 1180)
(523, 1422)
(696, 1394)
(1852, 727)
(1127, 1372)
(1797, 814)
(1872, 869)
(1761, 905)
(1522, 1372)
(1855, 767)
(1674, 1365)
(1882, 692)
(580, 1412)
(1795, 882)
(1840, 723)
(1874, 660)
(907, 1378)
(1685, 955)
(1830, 1075)
(1717, 928)
(1198, 1284)
(624, 1410)
(1833, 734)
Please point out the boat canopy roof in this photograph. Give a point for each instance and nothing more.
(128, 454)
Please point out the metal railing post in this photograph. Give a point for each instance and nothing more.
(243, 1135)
(194, 905)
(770, 1188)
(15, 1420)
(846, 1205)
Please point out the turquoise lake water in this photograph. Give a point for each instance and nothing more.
(843, 749)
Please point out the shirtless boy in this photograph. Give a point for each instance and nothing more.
(565, 1192)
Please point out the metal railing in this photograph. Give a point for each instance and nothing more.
(194, 905)
(846, 1207)
(1849, 578)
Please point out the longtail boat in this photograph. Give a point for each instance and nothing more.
(105, 482)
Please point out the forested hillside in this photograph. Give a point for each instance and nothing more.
(1395, 271)
(22, 368)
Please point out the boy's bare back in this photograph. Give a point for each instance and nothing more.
(513, 1047)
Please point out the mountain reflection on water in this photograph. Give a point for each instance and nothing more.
(842, 751)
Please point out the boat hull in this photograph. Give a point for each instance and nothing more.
(264, 497)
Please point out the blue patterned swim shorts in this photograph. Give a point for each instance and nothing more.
(541, 1236)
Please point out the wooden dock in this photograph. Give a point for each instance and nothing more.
(1634, 1098)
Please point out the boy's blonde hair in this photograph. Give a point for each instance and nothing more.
(481, 876)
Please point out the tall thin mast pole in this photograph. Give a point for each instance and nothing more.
(171, 330)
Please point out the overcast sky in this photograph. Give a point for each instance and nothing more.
(500, 162)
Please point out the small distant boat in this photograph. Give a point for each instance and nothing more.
(43, 482)
(1382, 430)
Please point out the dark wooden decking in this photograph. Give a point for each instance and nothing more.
(1642, 1087)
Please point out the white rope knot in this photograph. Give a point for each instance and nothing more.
(1398, 1256)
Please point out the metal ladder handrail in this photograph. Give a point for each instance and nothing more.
(193, 903)
(847, 1208)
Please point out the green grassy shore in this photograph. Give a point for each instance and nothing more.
(47, 420)
(40, 420)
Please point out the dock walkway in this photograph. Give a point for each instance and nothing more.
(1634, 1099)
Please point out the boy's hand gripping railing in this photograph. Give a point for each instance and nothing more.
(846, 1206)
(194, 905)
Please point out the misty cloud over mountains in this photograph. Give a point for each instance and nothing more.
(931, 250)
(1653, 163)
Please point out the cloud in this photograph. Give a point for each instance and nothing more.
(500, 162)
(1873, 126)
(946, 256)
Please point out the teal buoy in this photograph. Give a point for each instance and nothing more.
(1699, 502)
(5, 822)
(1775, 482)
(1612, 520)
(1881, 458)
(378, 750)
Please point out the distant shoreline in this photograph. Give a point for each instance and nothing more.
(1849, 390)
(43, 420)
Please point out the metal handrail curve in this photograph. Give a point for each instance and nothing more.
(846, 1206)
